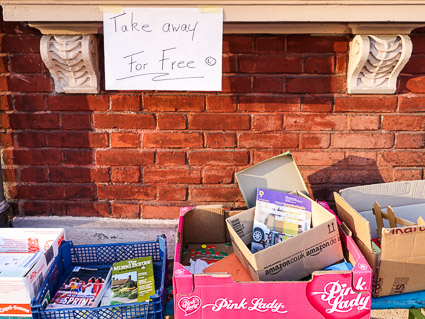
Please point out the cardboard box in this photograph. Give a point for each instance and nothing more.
(16, 293)
(400, 265)
(293, 258)
(329, 294)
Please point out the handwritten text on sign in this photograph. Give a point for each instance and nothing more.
(163, 49)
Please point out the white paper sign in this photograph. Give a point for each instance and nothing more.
(163, 49)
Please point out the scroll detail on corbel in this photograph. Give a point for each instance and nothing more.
(72, 61)
(375, 63)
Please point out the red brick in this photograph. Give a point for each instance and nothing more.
(364, 123)
(6, 139)
(172, 193)
(30, 102)
(204, 158)
(34, 175)
(418, 43)
(125, 174)
(40, 192)
(172, 140)
(369, 104)
(315, 122)
(408, 103)
(34, 121)
(123, 192)
(71, 174)
(402, 158)
(80, 139)
(124, 157)
(415, 65)
(125, 102)
(4, 83)
(160, 212)
(170, 158)
(229, 63)
(268, 140)
(171, 121)
(269, 84)
(6, 102)
(220, 140)
(19, 28)
(122, 210)
(403, 174)
(36, 157)
(26, 64)
(9, 175)
(237, 44)
(4, 64)
(410, 140)
(314, 158)
(31, 139)
(10, 191)
(360, 158)
(88, 209)
(8, 157)
(21, 43)
(341, 63)
(316, 44)
(270, 44)
(314, 140)
(236, 84)
(269, 64)
(100, 175)
(125, 140)
(316, 104)
(414, 84)
(59, 208)
(219, 122)
(363, 140)
(269, 104)
(78, 157)
(76, 121)
(221, 103)
(78, 102)
(39, 208)
(4, 119)
(79, 192)
(30, 83)
(267, 122)
(353, 176)
(319, 65)
(172, 175)
(403, 123)
(217, 175)
(221, 193)
(315, 84)
(173, 103)
(124, 121)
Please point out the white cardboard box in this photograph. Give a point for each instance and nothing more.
(16, 293)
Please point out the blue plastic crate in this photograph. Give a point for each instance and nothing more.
(97, 255)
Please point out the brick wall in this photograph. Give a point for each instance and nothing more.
(144, 154)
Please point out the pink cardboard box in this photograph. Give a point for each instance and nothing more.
(329, 294)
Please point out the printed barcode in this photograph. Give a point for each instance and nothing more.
(49, 255)
(238, 227)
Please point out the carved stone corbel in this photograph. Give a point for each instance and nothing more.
(72, 61)
(375, 63)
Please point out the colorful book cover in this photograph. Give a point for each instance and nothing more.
(132, 280)
(278, 216)
(84, 287)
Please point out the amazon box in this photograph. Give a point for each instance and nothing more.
(293, 258)
(398, 266)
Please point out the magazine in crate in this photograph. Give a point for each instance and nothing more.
(84, 287)
(132, 280)
(278, 216)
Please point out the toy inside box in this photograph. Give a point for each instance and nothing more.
(329, 294)
(34, 252)
(398, 265)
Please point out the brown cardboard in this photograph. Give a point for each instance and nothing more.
(294, 258)
(279, 173)
(400, 265)
(232, 266)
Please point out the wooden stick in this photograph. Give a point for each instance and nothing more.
(421, 221)
(399, 220)
(378, 216)
(391, 217)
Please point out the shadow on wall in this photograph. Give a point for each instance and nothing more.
(351, 171)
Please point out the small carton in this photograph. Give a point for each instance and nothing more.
(17, 292)
(328, 294)
(293, 258)
(399, 265)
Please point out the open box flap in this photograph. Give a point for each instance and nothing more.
(404, 244)
(197, 225)
(357, 223)
(279, 173)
